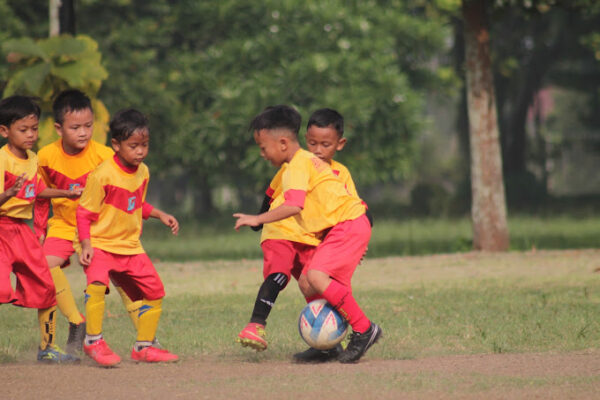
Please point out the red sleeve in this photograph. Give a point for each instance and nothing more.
(294, 197)
(84, 221)
(41, 210)
(146, 210)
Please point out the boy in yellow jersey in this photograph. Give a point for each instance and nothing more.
(20, 251)
(324, 138)
(109, 224)
(287, 248)
(319, 202)
(63, 164)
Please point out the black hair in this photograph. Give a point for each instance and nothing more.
(126, 122)
(69, 101)
(325, 117)
(274, 117)
(16, 107)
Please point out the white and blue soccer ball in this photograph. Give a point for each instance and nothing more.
(321, 326)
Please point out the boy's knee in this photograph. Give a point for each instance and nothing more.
(318, 280)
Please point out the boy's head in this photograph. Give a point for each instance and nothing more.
(276, 133)
(324, 133)
(73, 120)
(19, 119)
(130, 136)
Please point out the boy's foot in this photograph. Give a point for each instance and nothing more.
(76, 336)
(360, 343)
(101, 353)
(52, 354)
(253, 335)
(153, 354)
(313, 355)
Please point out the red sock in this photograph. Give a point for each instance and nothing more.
(341, 298)
(313, 298)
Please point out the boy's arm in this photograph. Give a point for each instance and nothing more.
(84, 220)
(149, 211)
(49, 193)
(282, 212)
(13, 190)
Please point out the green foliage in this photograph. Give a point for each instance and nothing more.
(45, 67)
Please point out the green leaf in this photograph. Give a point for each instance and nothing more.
(25, 47)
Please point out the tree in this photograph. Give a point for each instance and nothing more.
(488, 209)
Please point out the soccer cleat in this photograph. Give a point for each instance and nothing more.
(76, 336)
(52, 354)
(359, 344)
(101, 353)
(313, 355)
(153, 354)
(253, 335)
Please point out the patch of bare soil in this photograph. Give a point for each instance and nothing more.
(490, 376)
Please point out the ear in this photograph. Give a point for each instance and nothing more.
(340, 144)
(57, 127)
(4, 131)
(116, 145)
(283, 142)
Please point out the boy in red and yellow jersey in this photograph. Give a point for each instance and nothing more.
(109, 224)
(20, 251)
(318, 200)
(63, 164)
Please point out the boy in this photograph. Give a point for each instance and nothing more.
(20, 252)
(63, 164)
(109, 224)
(318, 200)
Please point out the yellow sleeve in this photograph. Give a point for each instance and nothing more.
(93, 194)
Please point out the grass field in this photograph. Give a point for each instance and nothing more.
(216, 239)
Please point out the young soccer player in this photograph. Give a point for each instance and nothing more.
(63, 164)
(109, 224)
(20, 251)
(319, 201)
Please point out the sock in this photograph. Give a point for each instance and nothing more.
(47, 326)
(148, 320)
(94, 308)
(132, 307)
(89, 339)
(341, 298)
(64, 296)
(267, 294)
(140, 345)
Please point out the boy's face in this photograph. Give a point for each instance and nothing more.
(272, 147)
(134, 150)
(21, 134)
(76, 130)
(324, 142)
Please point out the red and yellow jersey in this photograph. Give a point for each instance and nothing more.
(309, 183)
(288, 228)
(11, 167)
(63, 171)
(342, 172)
(112, 206)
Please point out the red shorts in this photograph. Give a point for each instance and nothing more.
(21, 254)
(286, 257)
(58, 247)
(341, 250)
(135, 274)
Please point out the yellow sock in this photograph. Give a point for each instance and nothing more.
(148, 320)
(94, 308)
(64, 296)
(132, 307)
(47, 326)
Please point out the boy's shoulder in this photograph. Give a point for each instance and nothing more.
(339, 167)
(101, 149)
(306, 159)
(49, 149)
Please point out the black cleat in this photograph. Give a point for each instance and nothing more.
(313, 355)
(359, 344)
(76, 336)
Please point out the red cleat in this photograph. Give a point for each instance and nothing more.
(101, 353)
(152, 354)
(253, 335)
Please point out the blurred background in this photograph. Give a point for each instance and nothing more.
(395, 70)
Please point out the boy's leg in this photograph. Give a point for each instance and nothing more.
(143, 349)
(132, 307)
(49, 352)
(94, 344)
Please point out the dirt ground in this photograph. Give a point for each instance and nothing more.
(491, 376)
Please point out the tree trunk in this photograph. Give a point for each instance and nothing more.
(488, 209)
(53, 15)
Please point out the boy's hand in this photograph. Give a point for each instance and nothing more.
(87, 253)
(42, 239)
(14, 189)
(245, 220)
(170, 221)
(74, 192)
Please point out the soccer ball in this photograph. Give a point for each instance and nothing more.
(321, 326)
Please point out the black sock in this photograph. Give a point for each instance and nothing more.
(267, 294)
